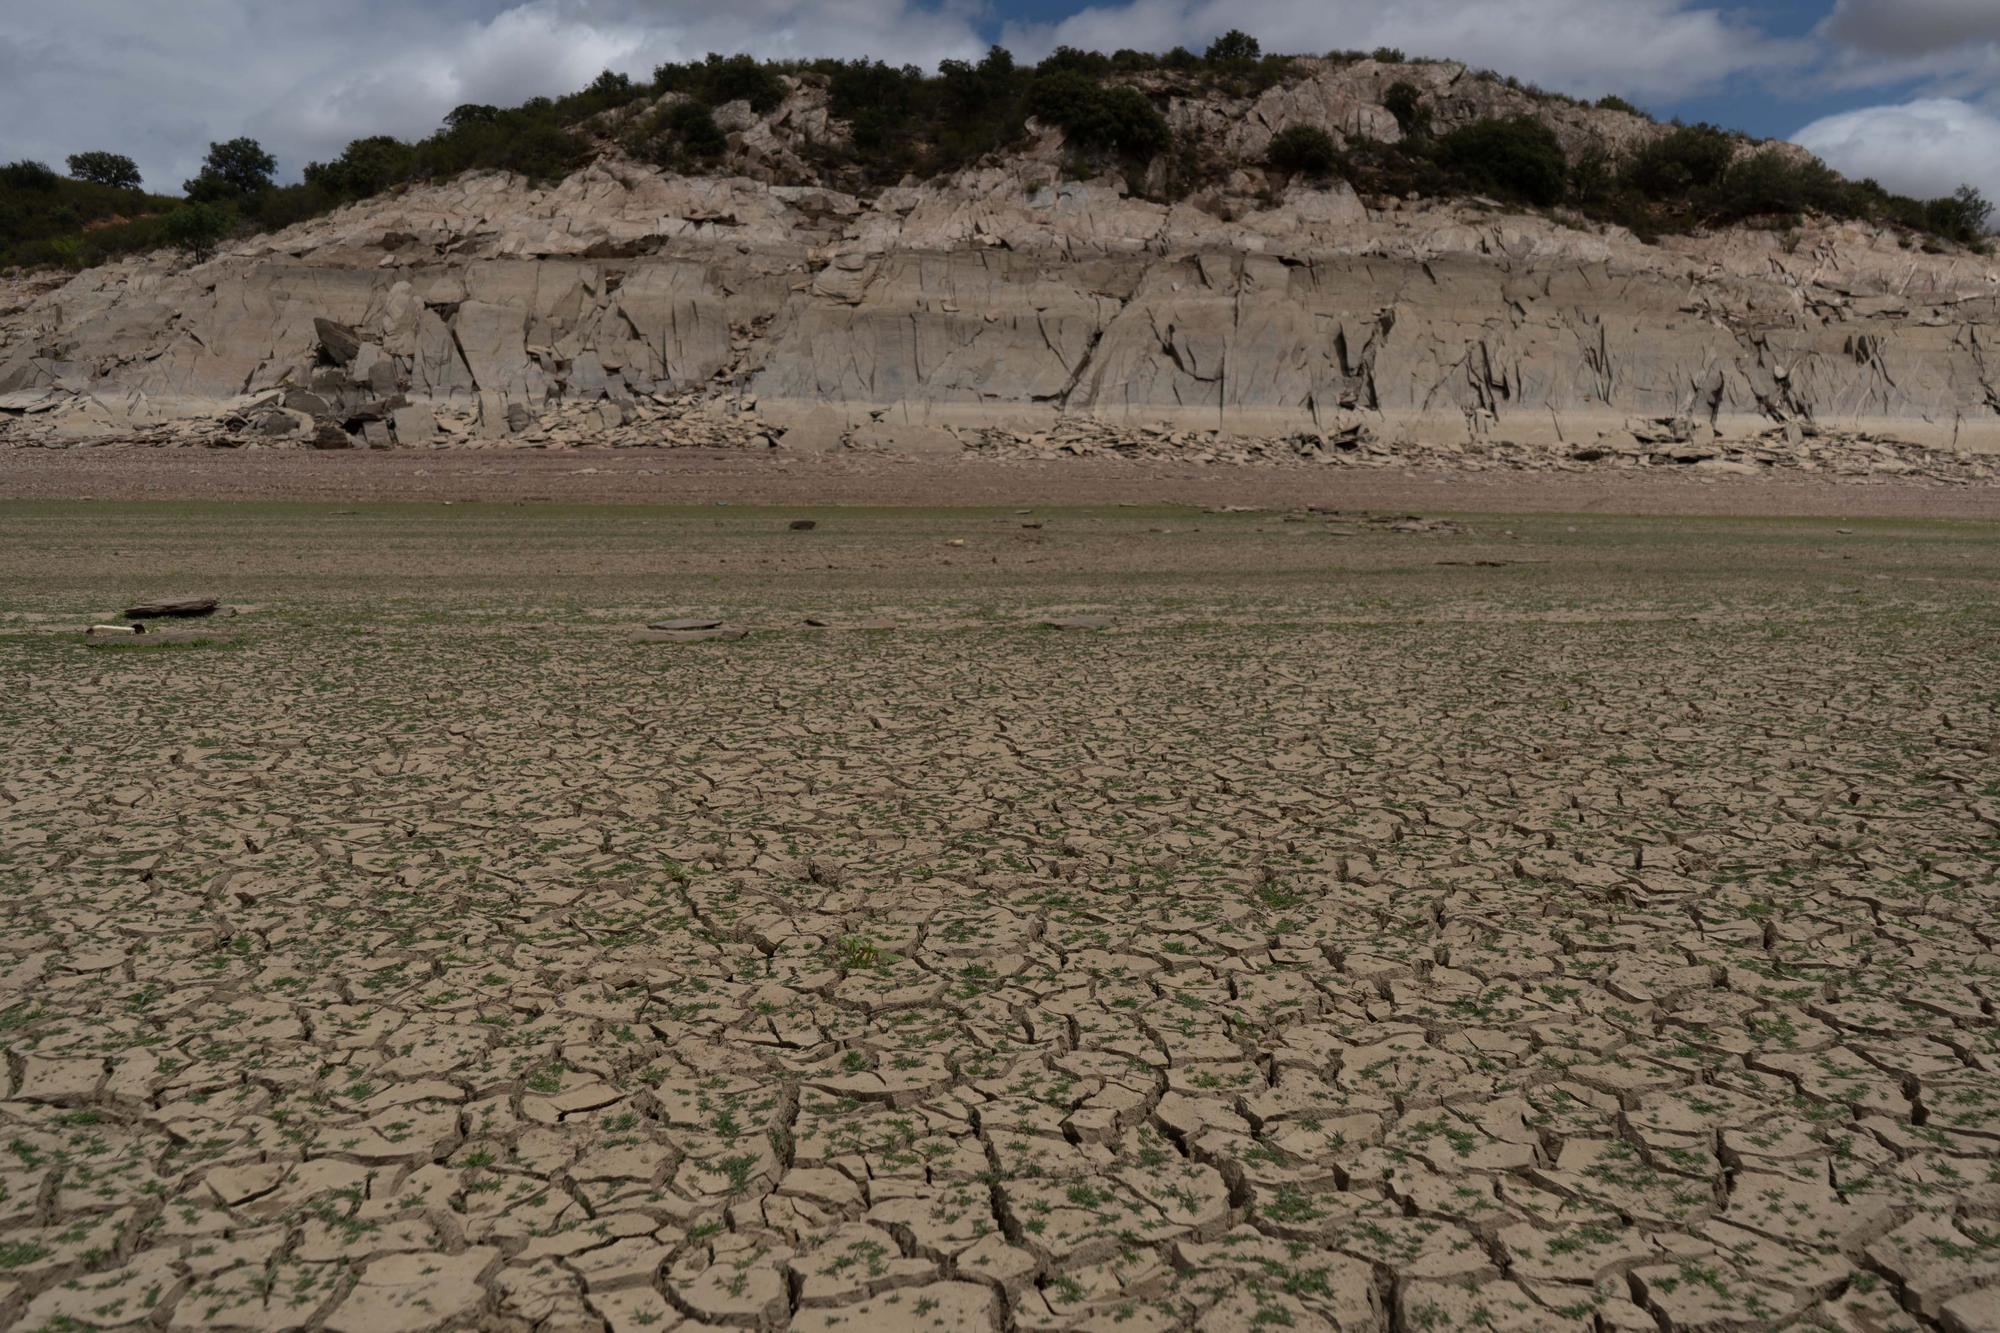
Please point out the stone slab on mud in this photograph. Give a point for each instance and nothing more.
(711, 634)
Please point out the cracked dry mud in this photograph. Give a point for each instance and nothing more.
(1331, 941)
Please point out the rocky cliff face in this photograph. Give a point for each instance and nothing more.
(624, 301)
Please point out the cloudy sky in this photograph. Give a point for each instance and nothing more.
(1907, 91)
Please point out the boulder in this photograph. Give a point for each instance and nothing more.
(490, 422)
(414, 424)
(282, 423)
(362, 364)
(372, 409)
(338, 344)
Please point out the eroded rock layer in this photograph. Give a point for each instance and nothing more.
(1007, 298)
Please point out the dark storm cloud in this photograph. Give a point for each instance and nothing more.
(1913, 27)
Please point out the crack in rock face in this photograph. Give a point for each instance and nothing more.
(1527, 944)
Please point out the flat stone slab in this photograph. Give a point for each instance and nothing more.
(691, 622)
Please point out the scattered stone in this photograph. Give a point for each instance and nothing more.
(867, 623)
(803, 525)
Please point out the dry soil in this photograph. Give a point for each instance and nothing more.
(1525, 922)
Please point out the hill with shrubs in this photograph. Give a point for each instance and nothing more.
(1173, 125)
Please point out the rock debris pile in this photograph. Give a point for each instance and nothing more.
(1665, 445)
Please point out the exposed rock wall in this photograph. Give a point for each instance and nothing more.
(1005, 297)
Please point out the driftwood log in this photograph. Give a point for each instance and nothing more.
(187, 607)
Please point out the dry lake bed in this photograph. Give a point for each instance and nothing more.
(1122, 918)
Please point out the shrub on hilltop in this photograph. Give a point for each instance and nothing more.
(48, 219)
(1303, 150)
(898, 121)
(682, 134)
(719, 80)
(1692, 158)
(1517, 159)
(1093, 116)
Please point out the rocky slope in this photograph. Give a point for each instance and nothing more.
(628, 306)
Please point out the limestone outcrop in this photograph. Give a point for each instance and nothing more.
(1008, 297)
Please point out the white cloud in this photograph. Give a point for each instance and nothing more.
(1924, 148)
(160, 81)
(524, 52)
(1642, 48)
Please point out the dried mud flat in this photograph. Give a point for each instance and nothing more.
(1496, 923)
(764, 476)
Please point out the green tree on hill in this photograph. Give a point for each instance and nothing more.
(102, 168)
(196, 229)
(1233, 46)
(232, 170)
